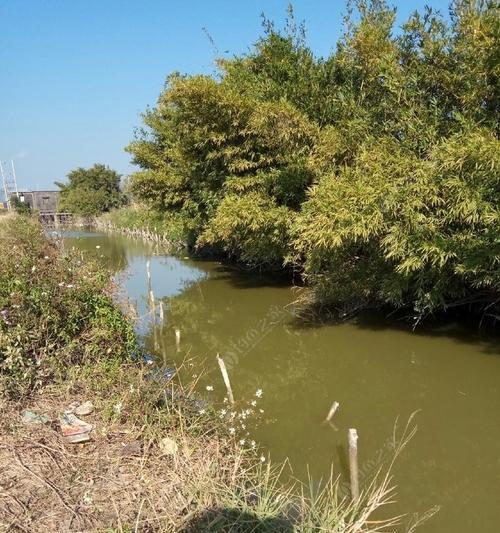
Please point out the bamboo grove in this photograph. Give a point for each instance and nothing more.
(375, 171)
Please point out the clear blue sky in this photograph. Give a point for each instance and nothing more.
(76, 74)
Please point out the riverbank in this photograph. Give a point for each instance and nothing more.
(157, 459)
(143, 223)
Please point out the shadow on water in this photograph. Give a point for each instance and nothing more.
(227, 519)
(460, 329)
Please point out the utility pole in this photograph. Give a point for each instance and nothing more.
(9, 181)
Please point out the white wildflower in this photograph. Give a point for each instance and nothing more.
(209, 387)
(97, 247)
(262, 459)
(254, 403)
(253, 444)
(201, 411)
(242, 442)
(232, 431)
(258, 393)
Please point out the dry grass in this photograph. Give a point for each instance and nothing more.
(48, 485)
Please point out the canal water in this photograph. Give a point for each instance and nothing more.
(376, 368)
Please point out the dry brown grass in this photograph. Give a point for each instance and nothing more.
(49, 485)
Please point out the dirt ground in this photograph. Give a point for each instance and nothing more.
(114, 482)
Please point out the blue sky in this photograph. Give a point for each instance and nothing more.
(76, 74)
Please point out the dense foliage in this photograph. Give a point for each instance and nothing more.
(375, 170)
(21, 208)
(90, 191)
(54, 311)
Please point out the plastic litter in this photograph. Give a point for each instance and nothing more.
(84, 409)
(73, 429)
(32, 418)
(168, 446)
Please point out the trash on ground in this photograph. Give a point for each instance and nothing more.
(31, 417)
(73, 429)
(168, 446)
(84, 409)
(131, 449)
(80, 409)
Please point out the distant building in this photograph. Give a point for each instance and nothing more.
(41, 201)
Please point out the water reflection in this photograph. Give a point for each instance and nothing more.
(377, 370)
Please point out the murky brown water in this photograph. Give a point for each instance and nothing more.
(377, 369)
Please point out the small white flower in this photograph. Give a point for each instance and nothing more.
(201, 411)
(225, 400)
(242, 442)
(243, 426)
(232, 431)
(262, 459)
(97, 247)
(209, 387)
(258, 393)
(253, 444)
(117, 408)
(261, 410)
(253, 402)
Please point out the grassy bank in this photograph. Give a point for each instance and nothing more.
(155, 461)
(140, 221)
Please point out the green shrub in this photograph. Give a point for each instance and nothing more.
(55, 311)
(375, 170)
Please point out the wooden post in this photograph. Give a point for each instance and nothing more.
(353, 462)
(225, 376)
(148, 272)
(331, 412)
(152, 304)
(178, 339)
(162, 314)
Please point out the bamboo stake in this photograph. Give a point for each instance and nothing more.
(178, 339)
(225, 376)
(148, 272)
(331, 412)
(353, 462)
(152, 303)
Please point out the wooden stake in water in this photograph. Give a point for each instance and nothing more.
(148, 272)
(178, 339)
(225, 376)
(352, 439)
(333, 409)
